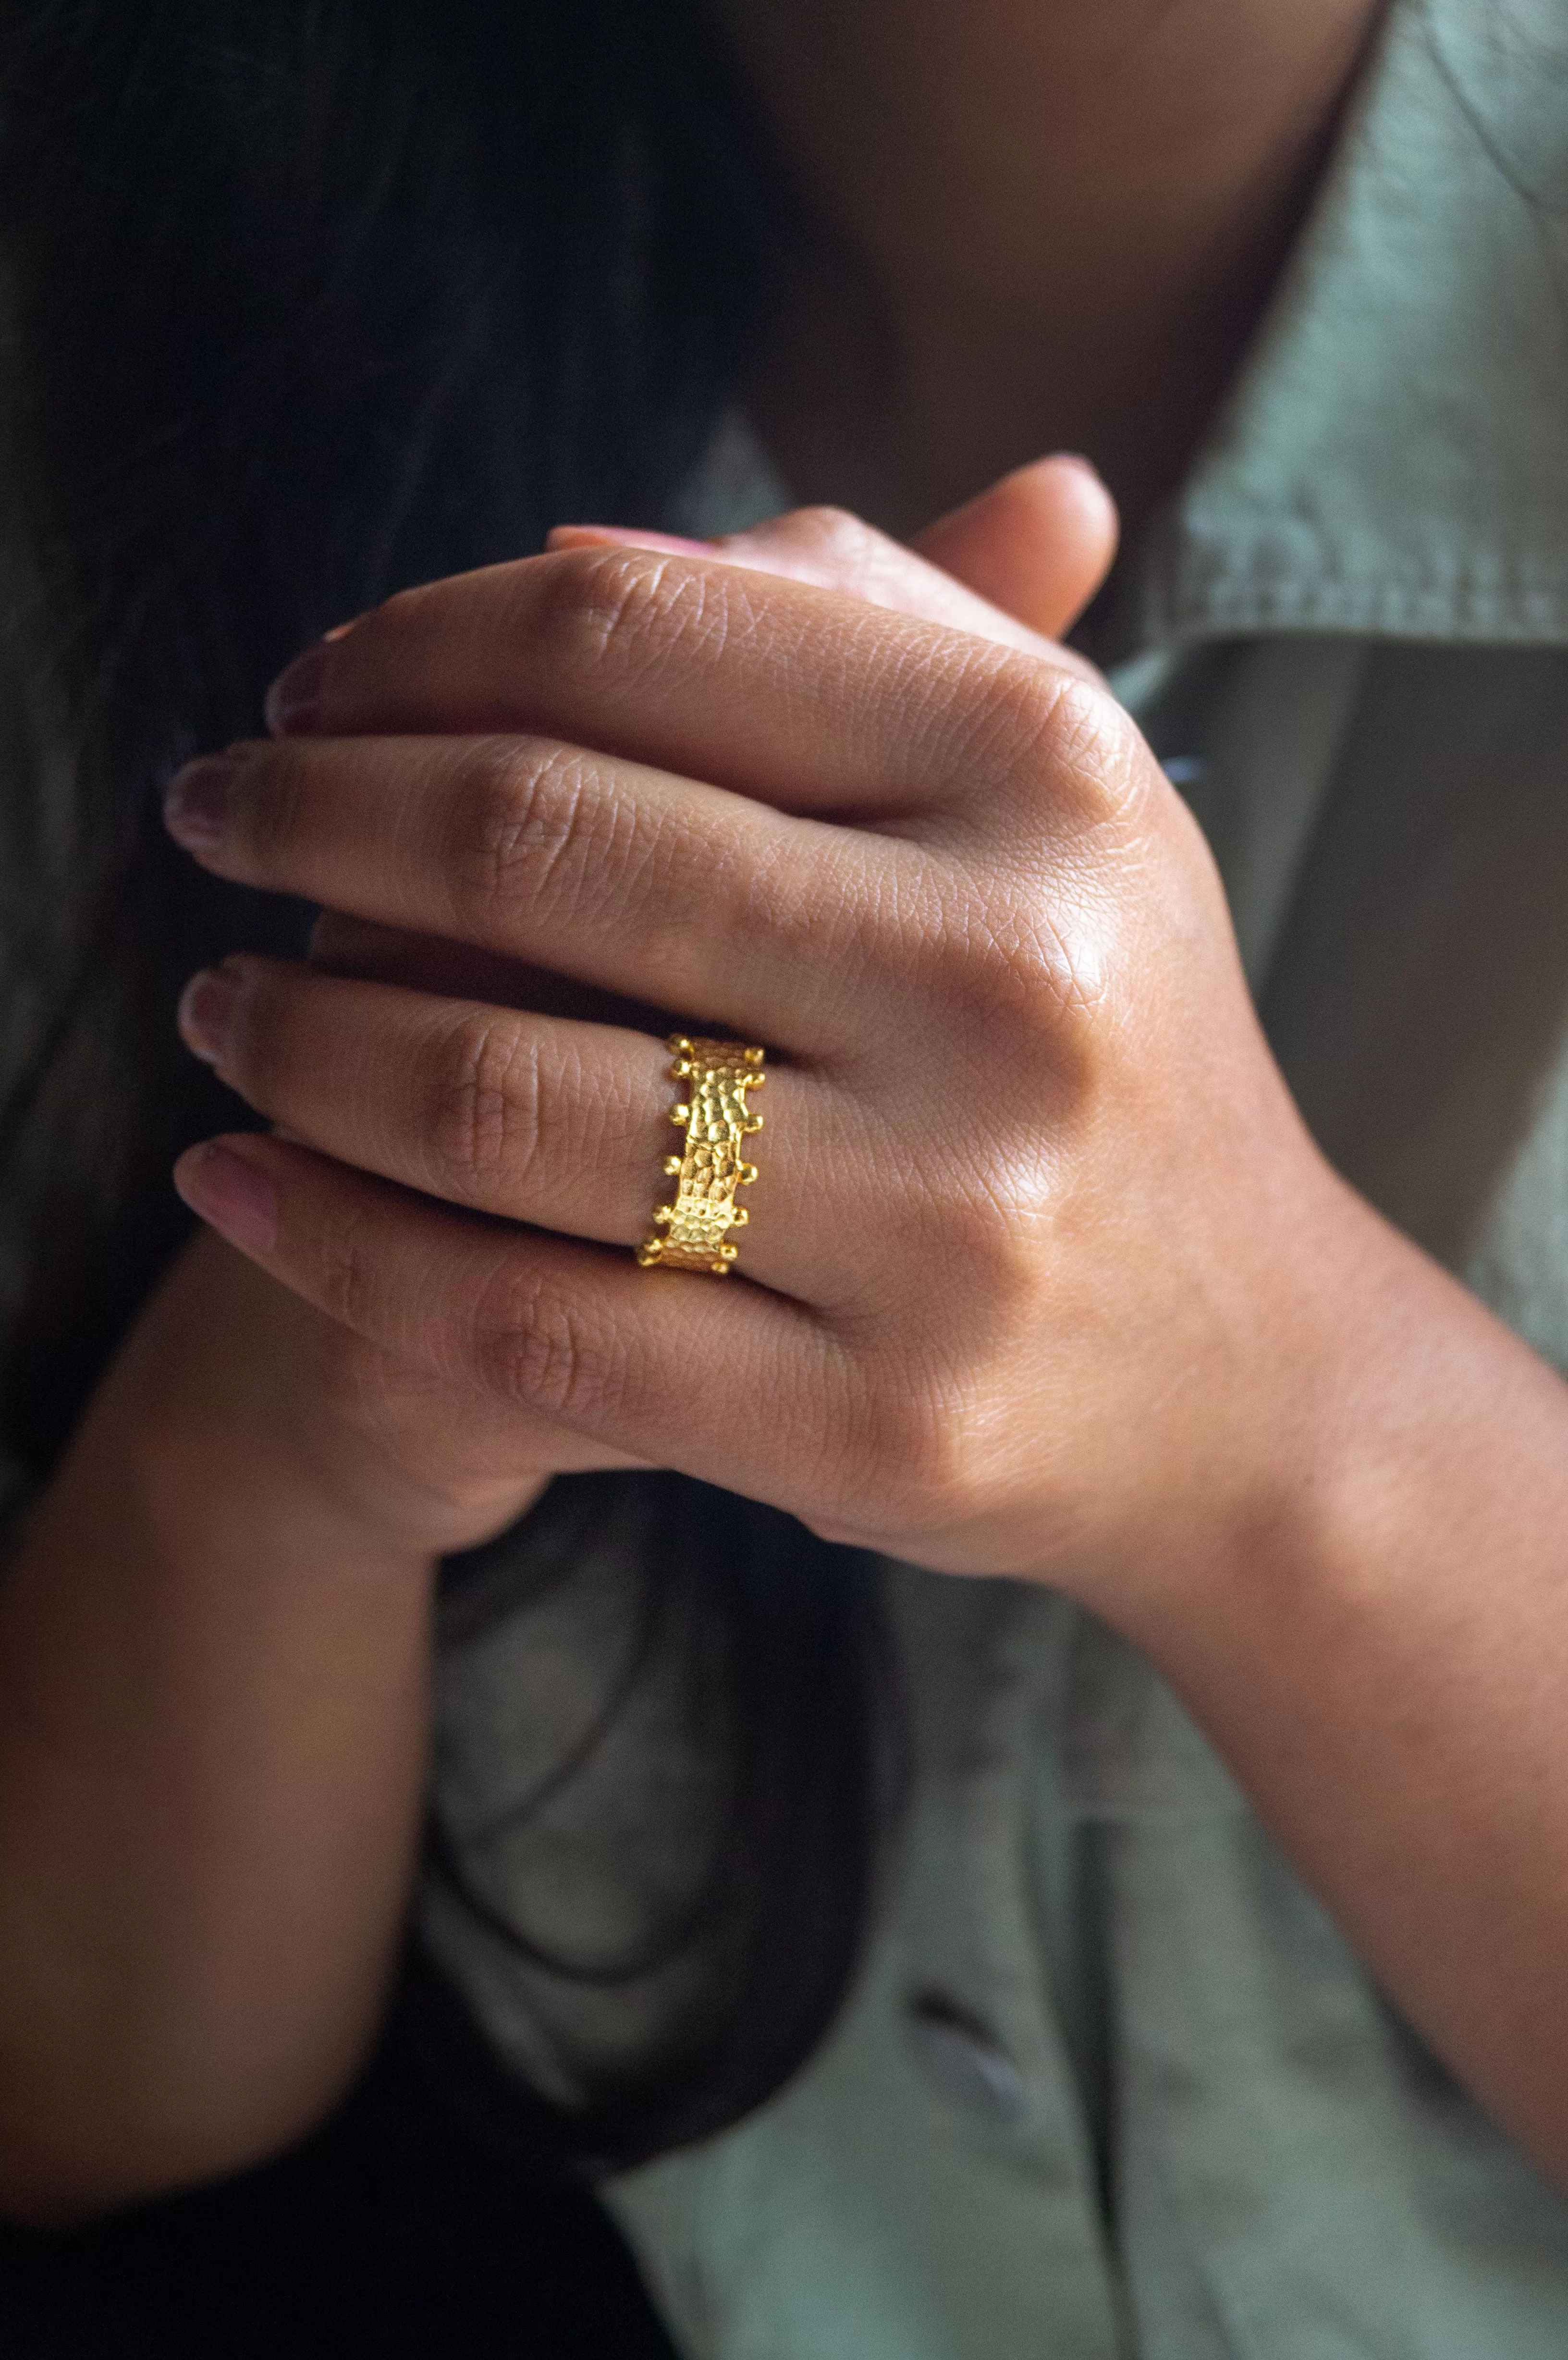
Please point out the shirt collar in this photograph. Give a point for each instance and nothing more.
(1394, 457)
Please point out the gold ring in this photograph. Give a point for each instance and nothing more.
(715, 1119)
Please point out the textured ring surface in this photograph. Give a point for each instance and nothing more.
(714, 1115)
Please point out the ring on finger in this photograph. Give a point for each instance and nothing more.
(716, 1122)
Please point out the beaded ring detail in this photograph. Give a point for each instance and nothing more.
(715, 1117)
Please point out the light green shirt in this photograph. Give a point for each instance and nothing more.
(1110, 2083)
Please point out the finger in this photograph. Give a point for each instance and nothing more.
(1038, 545)
(563, 1125)
(834, 550)
(785, 693)
(670, 1369)
(655, 888)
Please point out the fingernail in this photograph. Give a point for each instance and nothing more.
(206, 1012)
(196, 807)
(615, 536)
(295, 696)
(230, 1194)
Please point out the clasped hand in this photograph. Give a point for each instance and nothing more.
(1027, 1284)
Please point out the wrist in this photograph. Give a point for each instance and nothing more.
(1273, 1478)
(1386, 1409)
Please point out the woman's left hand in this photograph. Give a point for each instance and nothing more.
(1029, 1284)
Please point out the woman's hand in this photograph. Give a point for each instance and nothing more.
(410, 1455)
(1032, 1199)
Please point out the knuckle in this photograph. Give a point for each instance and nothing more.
(623, 612)
(1061, 740)
(544, 834)
(1033, 923)
(923, 1450)
(536, 1349)
(920, 1463)
(835, 534)
(482, 1099)
(522, 821)
(1020, 962)
(1041, 969)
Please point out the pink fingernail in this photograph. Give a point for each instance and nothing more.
(230, 1194)
(206, 1010)
(294, 699)
(196, 807)
(615, 536)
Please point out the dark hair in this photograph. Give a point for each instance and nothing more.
(305, 301)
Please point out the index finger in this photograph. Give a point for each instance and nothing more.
(839, 551)
(793, 695)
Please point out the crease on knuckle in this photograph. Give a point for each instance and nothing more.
(522, 820)
(1059, 744)
(631, 611)
(1078, 748)
(1026, 964)
(547, 836)
(918, 1464)
(835, 536)
(1043, 969)
(534, 1348)
(484, 1097)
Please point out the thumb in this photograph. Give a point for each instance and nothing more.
(1038, 545)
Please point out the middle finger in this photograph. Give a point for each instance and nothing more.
(609, 871)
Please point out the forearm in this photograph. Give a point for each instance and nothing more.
(1383, 1658)
(213, 1710)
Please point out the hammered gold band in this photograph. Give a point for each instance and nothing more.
(715, 1117)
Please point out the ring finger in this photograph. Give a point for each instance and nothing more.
(562, 1124)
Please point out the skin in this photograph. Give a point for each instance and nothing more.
(1043, 1278)
(1023, 225)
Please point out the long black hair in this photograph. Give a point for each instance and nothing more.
(301, 301)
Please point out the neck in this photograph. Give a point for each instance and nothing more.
(1025, 225)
